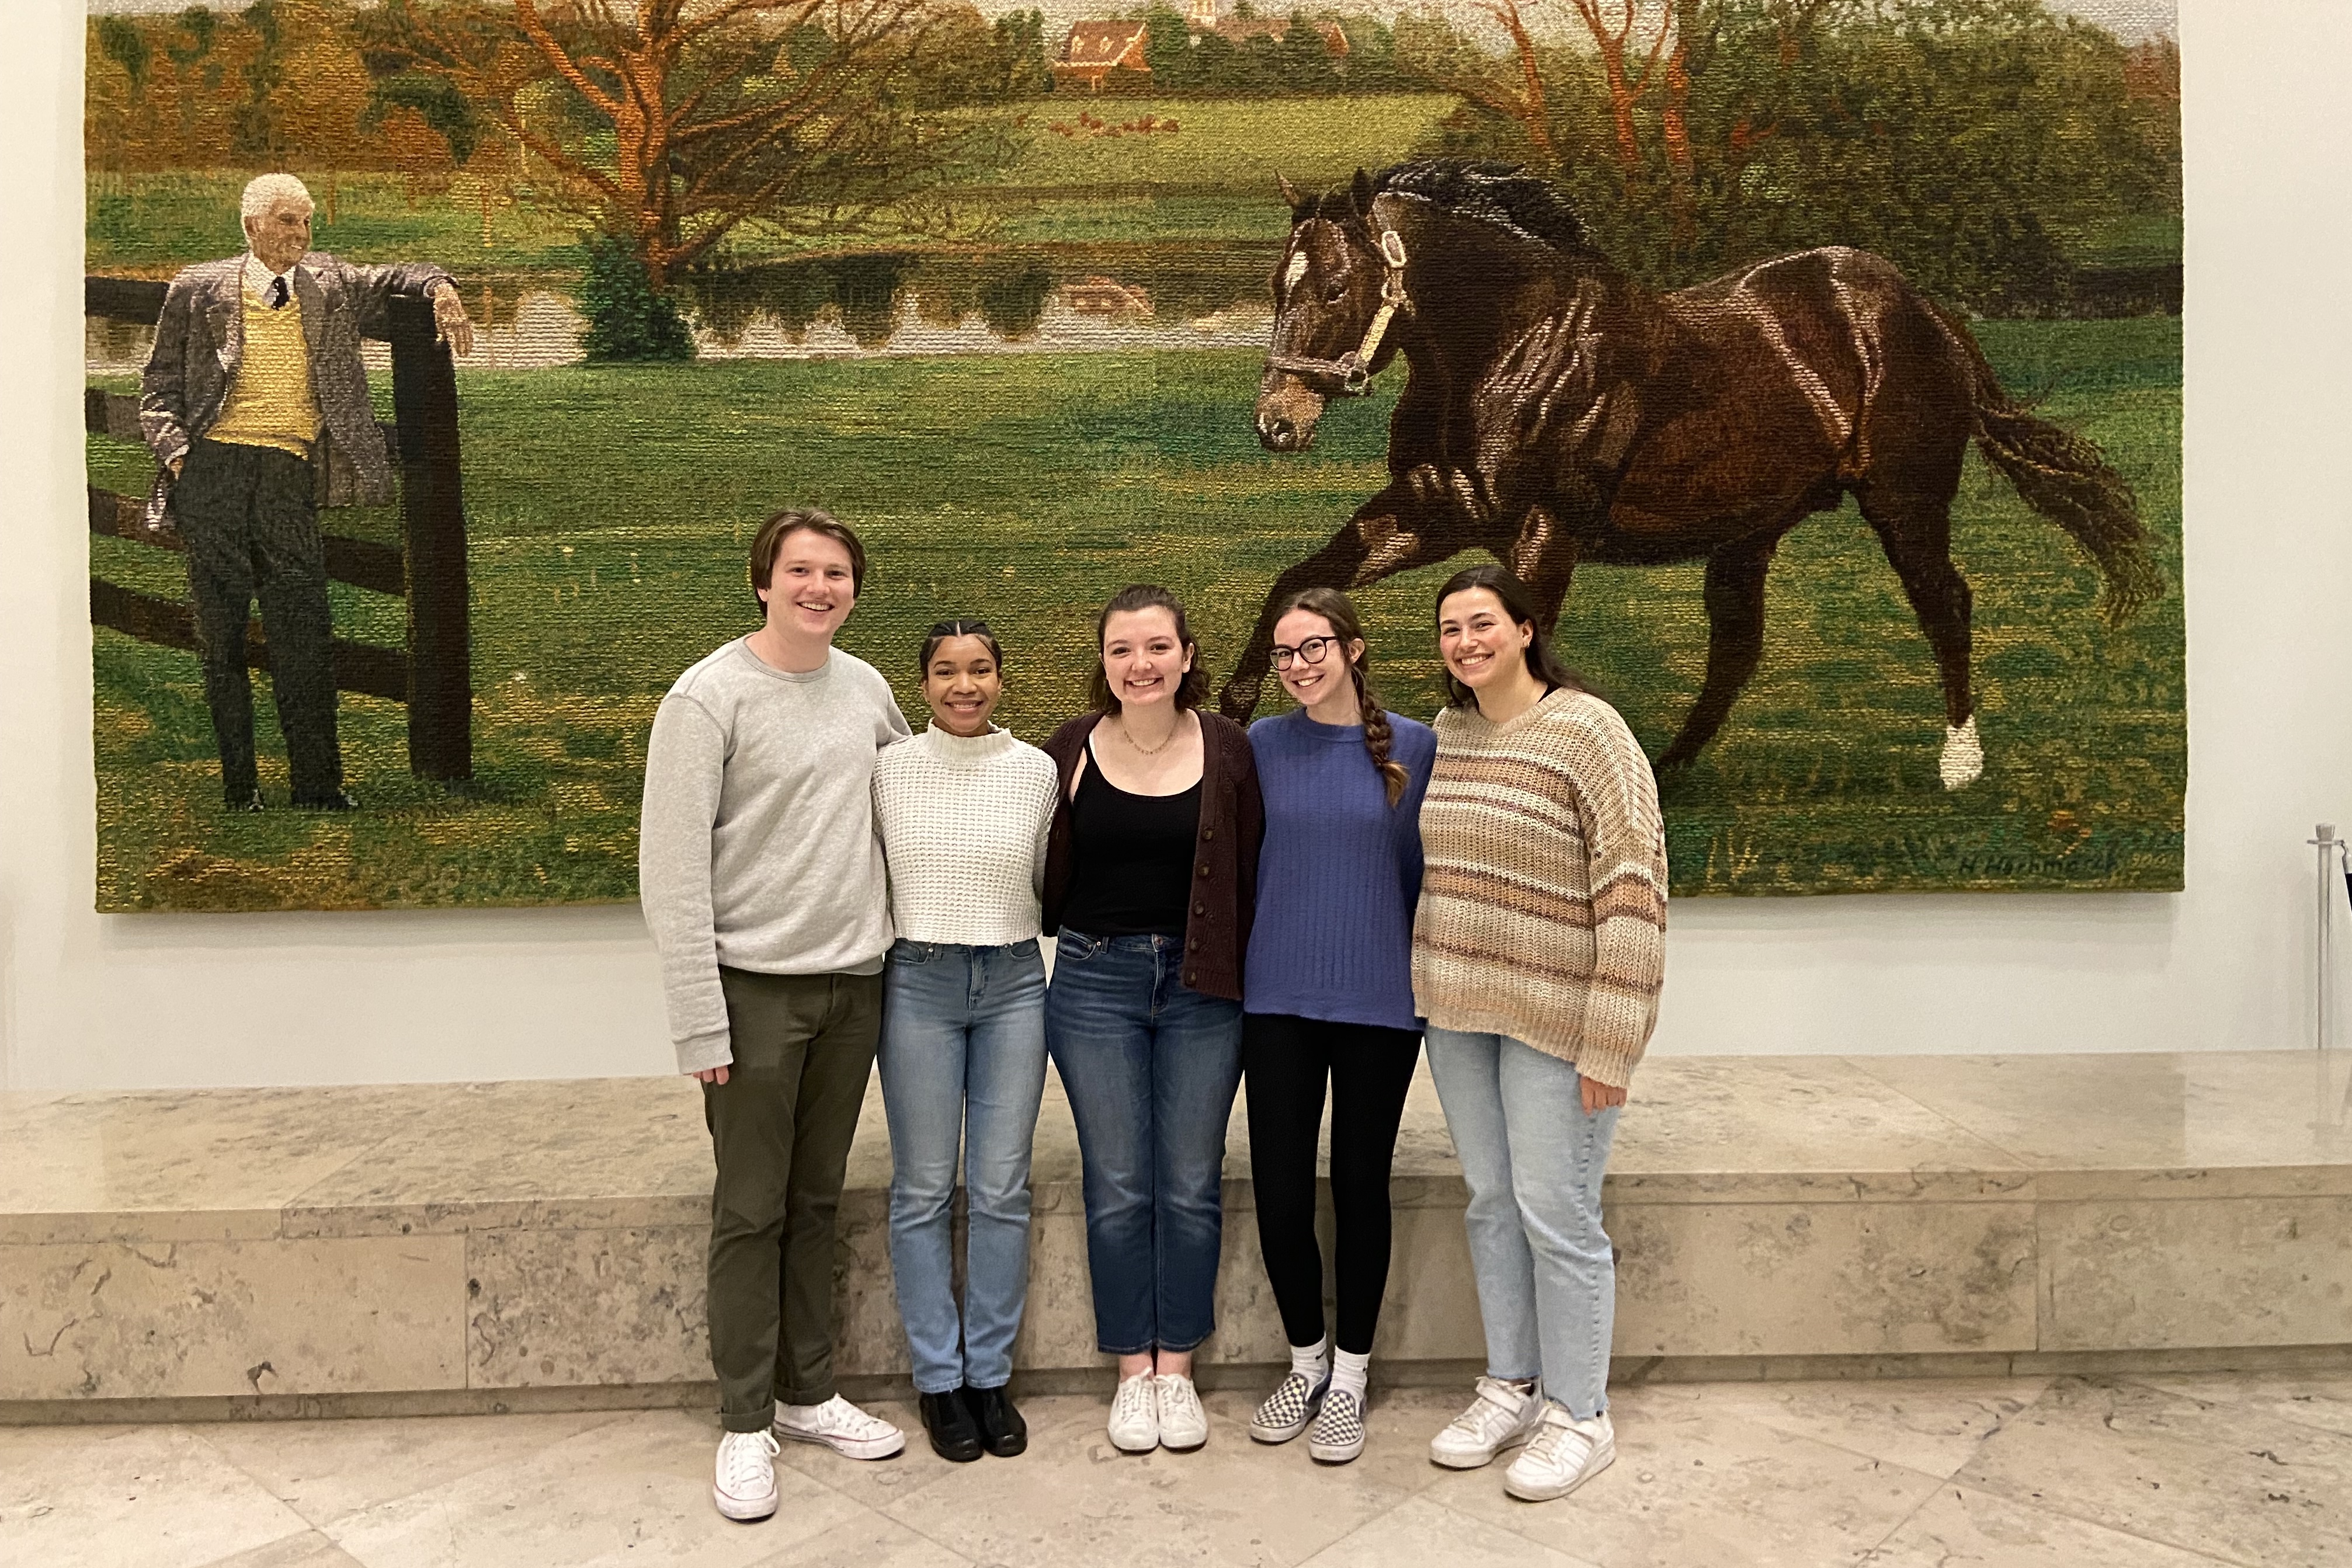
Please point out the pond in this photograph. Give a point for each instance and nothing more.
(1015, 299)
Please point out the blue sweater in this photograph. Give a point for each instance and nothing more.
(1338, 875)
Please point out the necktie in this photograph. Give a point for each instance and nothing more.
(277, 293)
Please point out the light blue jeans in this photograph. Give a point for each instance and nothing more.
(1533, 1160)
(963, 1063)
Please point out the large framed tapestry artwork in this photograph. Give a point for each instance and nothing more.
(1820, 361)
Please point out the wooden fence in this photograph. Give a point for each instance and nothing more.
(432, 675)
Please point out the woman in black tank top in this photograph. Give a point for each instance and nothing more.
(1150, 877)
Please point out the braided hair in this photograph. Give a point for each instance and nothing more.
(1336, 608)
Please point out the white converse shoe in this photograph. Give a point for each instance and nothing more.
(745, 1486)
(1500, 1418)
(1563, 1455)
(1338, 1434)
(1135, 1415)
(841, 1427)
(1183, 1425)
(1286, 1411)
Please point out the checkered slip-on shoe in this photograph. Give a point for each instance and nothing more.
(1287, 1410)
(1338, 1434)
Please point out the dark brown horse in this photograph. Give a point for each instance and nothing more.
(1556, 412)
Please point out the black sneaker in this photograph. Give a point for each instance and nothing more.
(954, 1437)
(1003, 1432)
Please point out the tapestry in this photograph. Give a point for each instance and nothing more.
(1817, 361)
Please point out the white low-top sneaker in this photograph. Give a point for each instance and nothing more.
(1498, 1418)
(1183, 1425)
(1338, 1435)
(745, 1486)
(1285, 1412)
(841, 1427)
(1563, 1455)
(1135, 1415)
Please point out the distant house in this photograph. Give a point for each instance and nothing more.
(1099, 52)
(1202, 18)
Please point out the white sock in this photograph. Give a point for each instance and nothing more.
(1349, 1372)
(1311, 1361)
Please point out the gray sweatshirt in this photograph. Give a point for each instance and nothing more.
(757, 848)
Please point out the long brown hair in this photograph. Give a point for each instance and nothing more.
(1520, 605)
(1338, 609)
(1194, 689)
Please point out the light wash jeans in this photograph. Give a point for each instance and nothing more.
(1533, 1160)
(963, 1061)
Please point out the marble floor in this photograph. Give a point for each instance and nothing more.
(2149, 1472)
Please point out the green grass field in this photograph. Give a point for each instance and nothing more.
(611, 507)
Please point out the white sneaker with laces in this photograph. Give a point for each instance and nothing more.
(745, 1486)
(1338, 1435)
(841, 1427)
(1135, 1415)
(1183, 1425)
(1285, 1412)
(1500, 1418)
(1563, 1455)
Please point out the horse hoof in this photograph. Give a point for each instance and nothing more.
(1963, 761)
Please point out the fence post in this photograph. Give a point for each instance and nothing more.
(433, 512)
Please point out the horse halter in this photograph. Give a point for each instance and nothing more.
(1354, 368)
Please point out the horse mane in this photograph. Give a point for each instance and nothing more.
(1503, 194)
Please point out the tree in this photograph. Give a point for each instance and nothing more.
(1306, 58)
(673, 123)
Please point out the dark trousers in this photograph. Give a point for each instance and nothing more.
(252, 530)
(1285, 1062)
(781, 1127)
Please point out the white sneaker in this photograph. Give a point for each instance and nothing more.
(1285, 1412)
(841, 1427)
(1563, 1455)
(1183, 1425)
(1135, 1415)
(745, 1486)
(1338, 1434)
(1499, 1417)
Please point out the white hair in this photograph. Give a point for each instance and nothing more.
(266, 190)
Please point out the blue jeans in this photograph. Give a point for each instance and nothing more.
(1150, 1065)
(1533, 1160)
(963, 1061)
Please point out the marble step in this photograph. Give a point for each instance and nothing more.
(492, 1240)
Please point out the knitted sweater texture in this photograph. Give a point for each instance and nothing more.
(1543, 902)
(963, 822)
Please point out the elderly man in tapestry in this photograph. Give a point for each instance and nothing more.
(256, 404)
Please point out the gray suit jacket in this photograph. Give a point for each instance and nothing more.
(200, 342)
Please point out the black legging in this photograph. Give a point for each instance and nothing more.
(1285, 1060)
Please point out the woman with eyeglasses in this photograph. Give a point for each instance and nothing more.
(963, 809)
(1330, 999)
(1538, 950)
(1150, 879)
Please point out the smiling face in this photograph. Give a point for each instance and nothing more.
(811, 588)
(961, 684)
(1143, 659)
(1303, 636)
(282, 236)
(1479, 641)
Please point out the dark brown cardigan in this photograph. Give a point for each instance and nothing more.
(1224, 878)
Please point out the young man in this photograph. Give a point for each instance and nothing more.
(762, 878)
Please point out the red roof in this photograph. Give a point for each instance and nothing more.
(1105, 44)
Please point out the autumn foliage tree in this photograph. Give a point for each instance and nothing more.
(672, 124)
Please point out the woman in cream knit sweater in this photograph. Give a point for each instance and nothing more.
(1538, 950)
(963, 809)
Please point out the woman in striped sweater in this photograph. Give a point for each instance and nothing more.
(963, 809)
(1538, 950)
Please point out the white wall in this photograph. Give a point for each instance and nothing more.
(219, 1000)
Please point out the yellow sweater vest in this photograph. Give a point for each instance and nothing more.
(270, 402)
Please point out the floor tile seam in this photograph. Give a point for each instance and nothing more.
(2239, 1406)
(2038, 1505)
(2027, 1163)
(1467, 1519)
(2203, 1553)
(1930, 1495)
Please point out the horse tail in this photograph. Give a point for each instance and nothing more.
(2065, 477)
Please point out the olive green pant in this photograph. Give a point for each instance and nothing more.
(781, 1127)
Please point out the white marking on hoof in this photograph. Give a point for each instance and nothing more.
(1963, 762)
